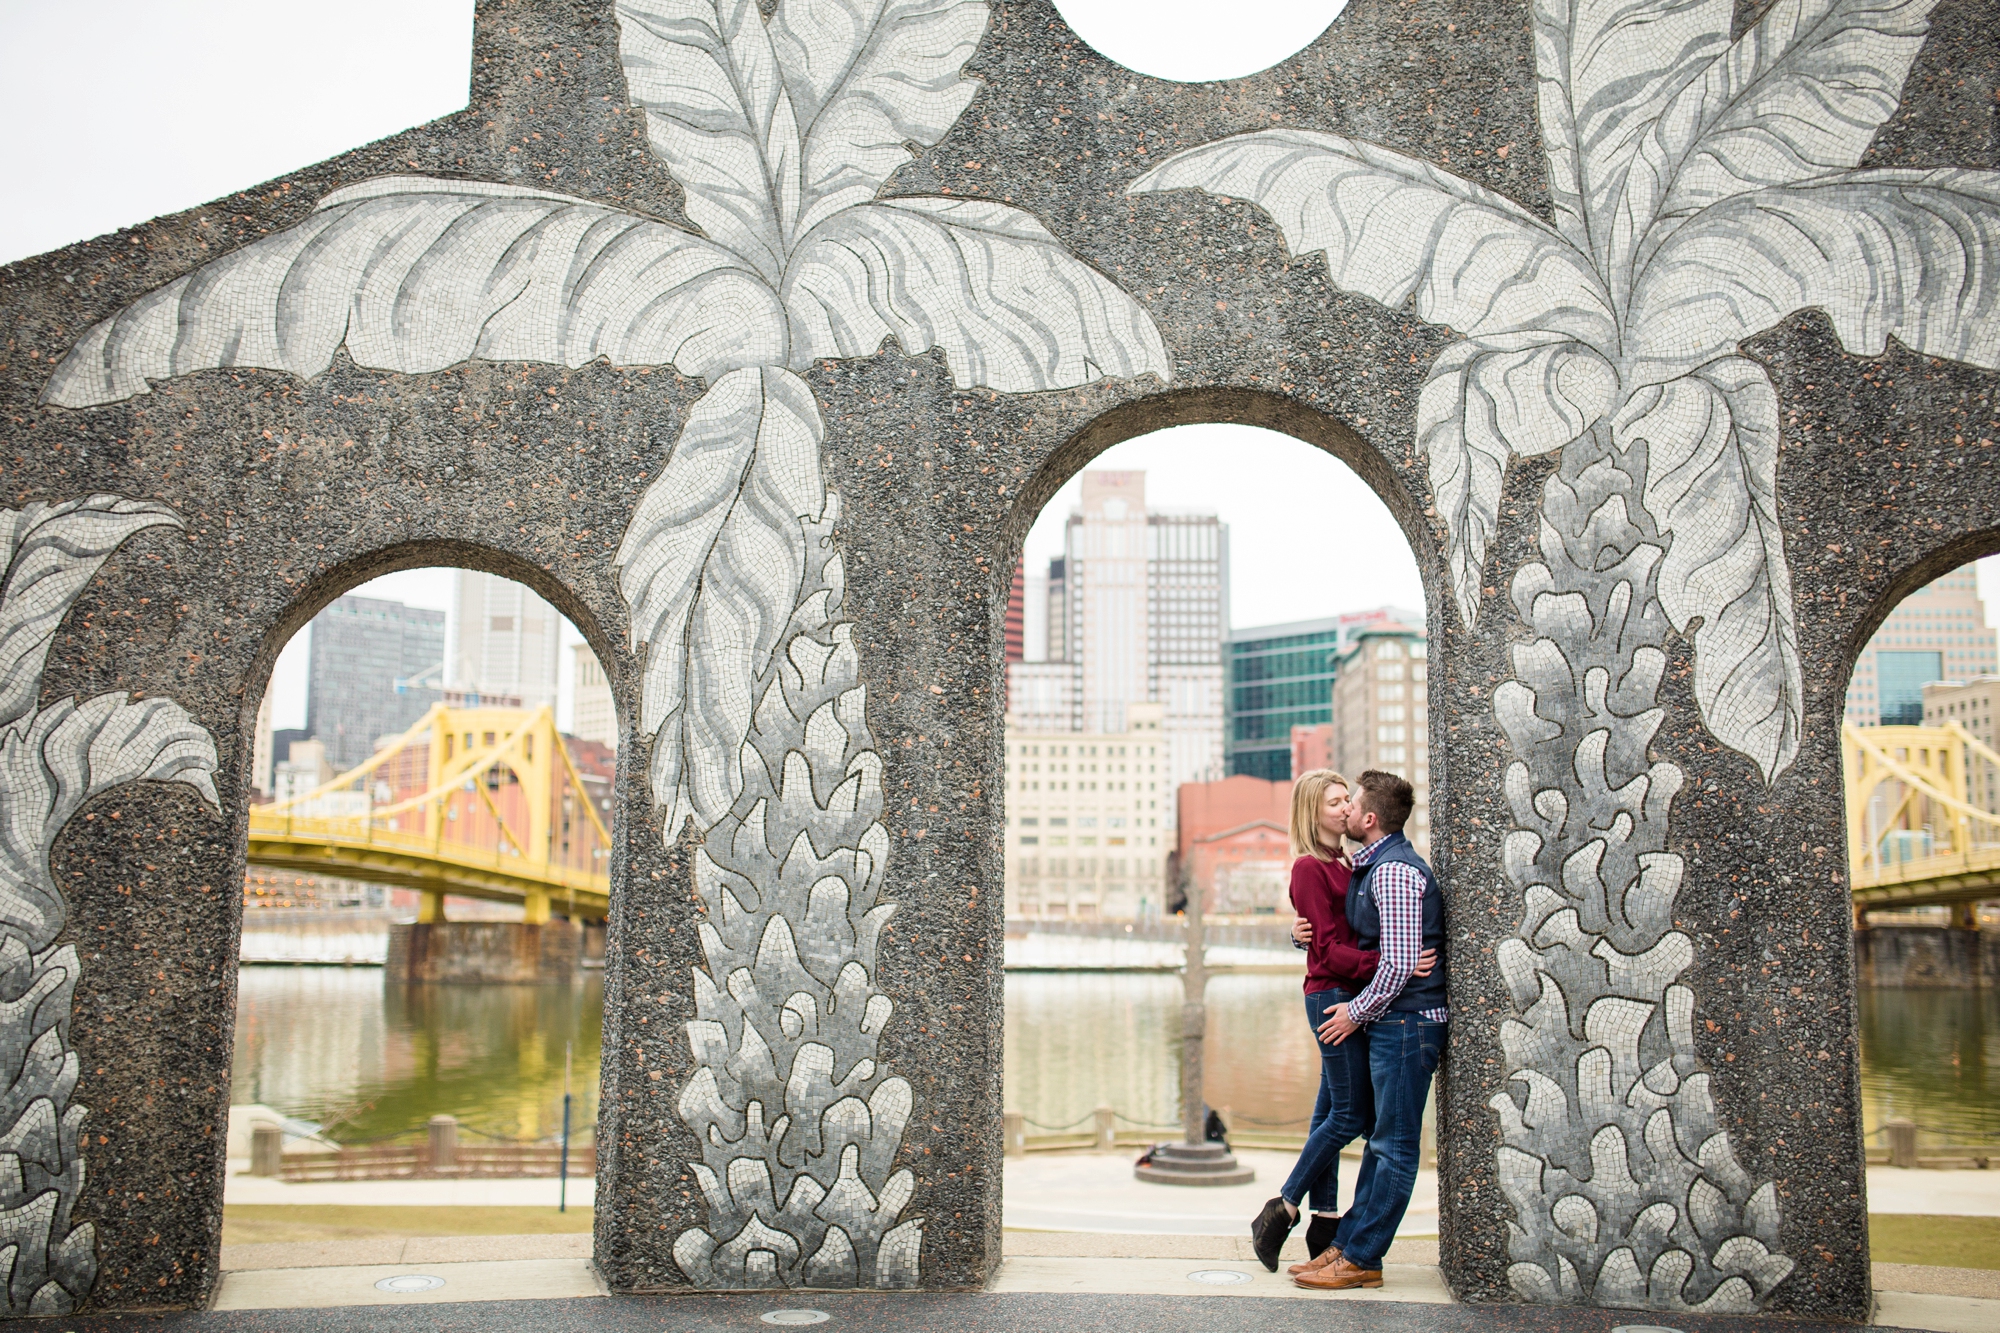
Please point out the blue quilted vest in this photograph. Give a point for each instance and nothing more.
(1366, 918)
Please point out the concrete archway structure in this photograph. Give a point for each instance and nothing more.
(778, 471)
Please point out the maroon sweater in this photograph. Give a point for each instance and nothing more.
(1319, 894)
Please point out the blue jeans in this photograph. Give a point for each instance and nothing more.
(1343, 1113)
(1403, 1053)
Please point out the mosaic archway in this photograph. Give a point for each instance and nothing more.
(757, 330)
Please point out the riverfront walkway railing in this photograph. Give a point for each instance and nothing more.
(441, 1154)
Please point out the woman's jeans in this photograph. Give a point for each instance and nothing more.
(1343, 1113)
(1403, 1053)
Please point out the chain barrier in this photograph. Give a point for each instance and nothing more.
(1140, 1124)
(1088, 1116)
(575, 1133)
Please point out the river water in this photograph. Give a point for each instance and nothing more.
(338, 1043)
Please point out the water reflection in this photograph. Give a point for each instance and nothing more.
(1932, 1056)
(316, 1042)
(319, 1042)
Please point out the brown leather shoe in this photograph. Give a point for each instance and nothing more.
(1331, 1254)
(1339, 1276)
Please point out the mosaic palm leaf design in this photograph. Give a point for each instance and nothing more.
(52, 760)
(782, 131)
(1703, 189)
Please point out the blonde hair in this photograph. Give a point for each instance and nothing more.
(1308, 792)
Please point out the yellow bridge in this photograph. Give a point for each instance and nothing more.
(1916, 832)
(474, 802)
(489, 803)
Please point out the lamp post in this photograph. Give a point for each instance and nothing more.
(1194, 1161)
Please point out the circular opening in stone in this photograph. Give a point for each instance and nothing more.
(1181, 40)
(796, 1317)
(404, 1284)
(1218, 1277)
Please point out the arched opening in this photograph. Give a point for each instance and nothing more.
(1921, 764)
(1201, 611)
(420, 994)
(1180, 40)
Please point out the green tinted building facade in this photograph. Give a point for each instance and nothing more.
(1280, 677)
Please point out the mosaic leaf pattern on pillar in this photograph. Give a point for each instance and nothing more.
(782, 131)
(1703, 190)
(52, 760)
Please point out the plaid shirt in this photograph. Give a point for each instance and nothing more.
(1399, 896)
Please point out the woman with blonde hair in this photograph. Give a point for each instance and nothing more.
(1336, 971)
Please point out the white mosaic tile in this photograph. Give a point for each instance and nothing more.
(52, 760)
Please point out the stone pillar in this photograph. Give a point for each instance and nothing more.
(267, 1148)
(444, 1143)
(1902, 1136)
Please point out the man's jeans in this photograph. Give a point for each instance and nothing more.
(1403, 1053)
(1345, 1109)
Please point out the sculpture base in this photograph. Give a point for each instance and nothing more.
(1194, 1164)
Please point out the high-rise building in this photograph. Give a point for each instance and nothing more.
(1088, 821)
(1937, 633)
(592, 714)
(1138, 604)
(1381, 716)
(501, 641)
(263, 757)
(364, 654)
(1281, 678)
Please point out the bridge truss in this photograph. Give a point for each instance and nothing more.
(474, 802)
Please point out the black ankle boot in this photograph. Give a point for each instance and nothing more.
(1319, 1234)
(1268, 1232)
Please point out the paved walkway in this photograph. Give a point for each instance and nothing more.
(1087, 1247)
(1089, 1192)
(1049, 1281)
(1097, 1192)
(978, 1312)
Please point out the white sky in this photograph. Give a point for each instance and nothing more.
(123, 110)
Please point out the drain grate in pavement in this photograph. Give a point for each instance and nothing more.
(796, 1317)
(1218, 1277)
(404, 1284)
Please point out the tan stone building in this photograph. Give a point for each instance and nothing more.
(592, 715)
(1381, 715)
(1971, 704)
(1937, 633)
(1088, 821)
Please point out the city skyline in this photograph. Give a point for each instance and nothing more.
(1135, 612)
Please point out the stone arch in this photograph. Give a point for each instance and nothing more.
(444, 552)
(1229, 405)
(1300, 421)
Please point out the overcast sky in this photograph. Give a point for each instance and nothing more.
(122, 110)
